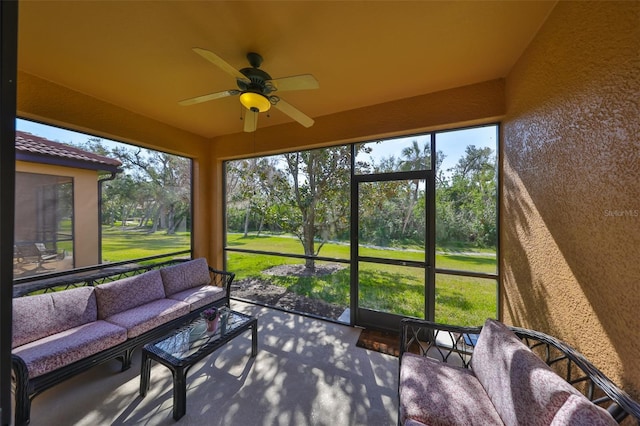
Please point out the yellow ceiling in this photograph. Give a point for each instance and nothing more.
(137, 54)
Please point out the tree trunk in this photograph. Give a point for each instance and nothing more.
(413, 200)
(261, 223)
(156, 220)
(308, 242)
(247, 215)
(125, 217)
(171, 221)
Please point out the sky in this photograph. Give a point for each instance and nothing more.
(454, 143)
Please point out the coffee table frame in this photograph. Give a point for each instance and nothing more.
(180, 366)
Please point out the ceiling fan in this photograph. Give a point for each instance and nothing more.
(256, 89)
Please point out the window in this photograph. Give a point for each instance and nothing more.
(466, 225)
(288, 229)
(425, 219)
(43, 235)
(93, 201)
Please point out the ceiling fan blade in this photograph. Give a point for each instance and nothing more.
(294, 113)
(219, 62)
(250, 121)
(296, 82)
(209, 97)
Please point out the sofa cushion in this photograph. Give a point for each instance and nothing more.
(197, 297)
(524, 390)
(182, 276)
(436, 393)
(412, 422)
(578, 411)
(150, 315)
(35, 317)
(68, 346)
(127, 293)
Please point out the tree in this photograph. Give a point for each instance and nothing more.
(119, 199)
(466, 201)
(154, 185)
(252, 186)
(416, 158)
(319, 193)
(393, 212)
(169, 180)
(302, 193)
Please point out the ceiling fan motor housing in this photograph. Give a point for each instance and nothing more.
(257, 81)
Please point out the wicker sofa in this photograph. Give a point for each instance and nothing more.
(500, 375)
(59, 334)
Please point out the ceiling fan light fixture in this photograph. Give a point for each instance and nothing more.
(255, 102)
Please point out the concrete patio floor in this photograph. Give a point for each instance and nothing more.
(307, 372)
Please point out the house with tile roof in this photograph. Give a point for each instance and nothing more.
(53, 182)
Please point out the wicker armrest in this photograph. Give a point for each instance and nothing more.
(446, 343)
(572, 366)
(224, 280)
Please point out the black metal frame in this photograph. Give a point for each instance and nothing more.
(8, 88)
(26, 389)
(455, 345)
(372, 318)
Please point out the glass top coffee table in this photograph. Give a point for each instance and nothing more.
(182, 348)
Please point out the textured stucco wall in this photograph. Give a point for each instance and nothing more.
(570, 218)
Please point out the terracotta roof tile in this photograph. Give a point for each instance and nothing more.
(32, 144)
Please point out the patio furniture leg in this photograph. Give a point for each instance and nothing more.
(179, 392)
(23, 402)
(254, 340)
(126, 359)
(145, 374)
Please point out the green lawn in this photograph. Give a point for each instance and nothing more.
(398, 289)
(120, 245)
